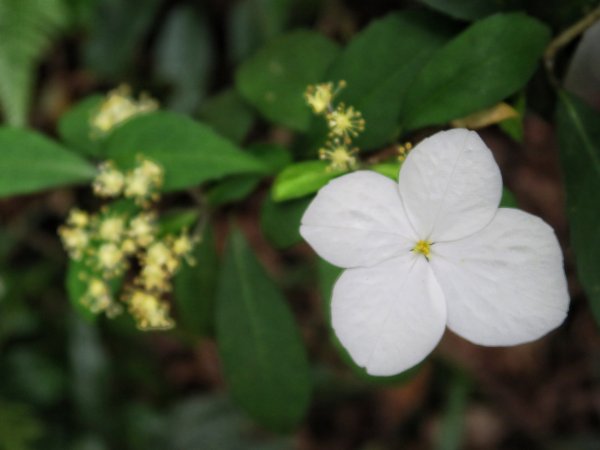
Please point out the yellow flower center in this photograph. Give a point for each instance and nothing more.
(423, 247)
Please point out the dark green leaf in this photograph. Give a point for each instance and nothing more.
(90, 369)
(116, 32)
(251, 23)
(280, 221)
(75, 130)
(378, 73)
(263, 358)
(453, 423)
(508, 199)
(274, 80)
(486, 63)
(28, 28)
(184, 58)
(195, 287)
(472, 9)
(228, 114)
(514, 126)
(579, 137)
(189, 152)
(213, 423)
(31, 162)
(175, 222)
(232, 189)
(301, 179)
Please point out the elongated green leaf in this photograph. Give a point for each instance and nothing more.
(579, 135)
(189, 152)
(195, 287)
(280, 221)
(75, 128)
(236, 188)
(378, 73)
(264, 361)
(30, 162)
(452, 430)
(228, 114)
(27, 28)
(489, 61)
(116, 32)
(301, 179)
(275, 79)
(184, 58)
(472, 9)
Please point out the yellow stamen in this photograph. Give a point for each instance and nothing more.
(345, 123)
(340, 156)
(423, 247)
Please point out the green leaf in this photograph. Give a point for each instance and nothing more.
(28, 28)
(213, 422)
(390, 169)
(453, 423)
(579, 138)
(274, 80)
(74, 127)
(195, 288)
(116, 33)
(31, 162)
(514, 126)
(184, 58)
(301, 179)
(280, 221)
(263, 358)
(379, 74)
(508, 199)
(251, 23)
(189, 152)
(239, 187)
(228, 114)
(174, 222)
(472, 9)
(489, 61)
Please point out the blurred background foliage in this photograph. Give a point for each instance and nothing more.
(68, 382)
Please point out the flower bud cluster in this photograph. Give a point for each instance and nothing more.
(119, 106)
(124, 239)
(344, 122)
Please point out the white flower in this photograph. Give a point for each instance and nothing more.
(434, 251)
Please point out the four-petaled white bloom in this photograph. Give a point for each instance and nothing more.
(434, 251)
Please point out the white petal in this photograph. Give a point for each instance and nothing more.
(357, 220)
(450, 185)
(504, 285)
(389, 317)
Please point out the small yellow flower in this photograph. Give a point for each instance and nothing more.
(109, 182)
(110, 258)
(345, 123)
(112, 229)
(340, 156)
(403, 151)
(78, 218)
(97, 297)
(149, 311)
(75, 240)
(118, 107)
(155, 278)
(142, 229)
(320, 96)
(143, 182)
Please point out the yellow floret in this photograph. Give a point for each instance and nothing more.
(149, 311)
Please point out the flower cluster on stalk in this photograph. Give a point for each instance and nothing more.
(124, 237)
(344, 123)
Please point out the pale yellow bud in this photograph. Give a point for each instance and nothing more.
(112, 229)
